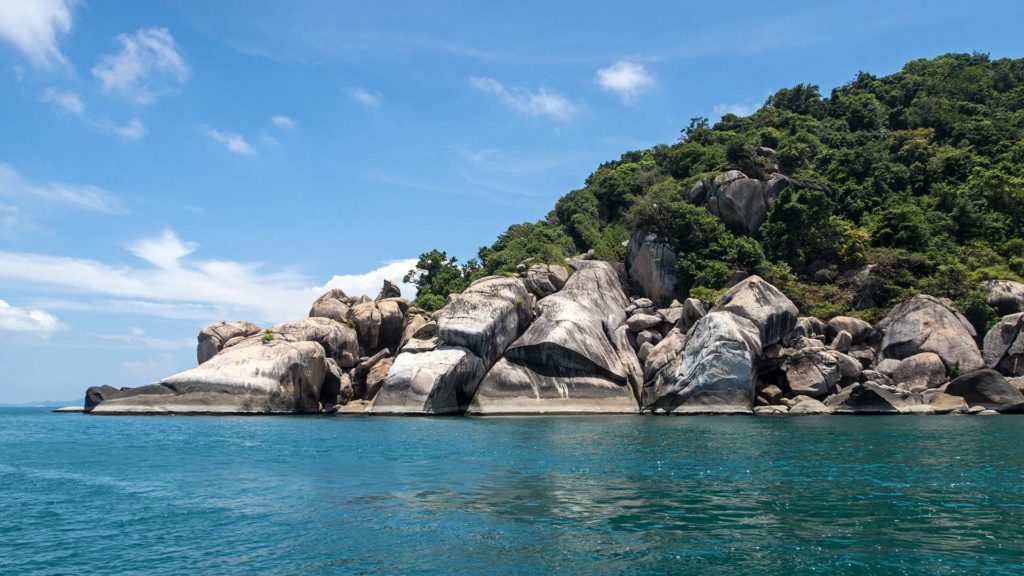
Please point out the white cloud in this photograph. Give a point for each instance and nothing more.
(740, 109)
(369, 284)
(627, 79)
(165, 252)
(66, 102)
(148, 66)
(360, 95)
(133, 130)
(233, 141)
(283, 122)
(90, 198)
(24, 320)
(526, 102)
(174, 283)
(33, 26)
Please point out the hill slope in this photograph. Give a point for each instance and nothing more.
(912, 182)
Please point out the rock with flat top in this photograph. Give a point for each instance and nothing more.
(213, 338)
(273, 377)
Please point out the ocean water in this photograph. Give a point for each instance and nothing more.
(553, 495)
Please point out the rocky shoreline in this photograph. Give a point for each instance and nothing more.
(566, 339)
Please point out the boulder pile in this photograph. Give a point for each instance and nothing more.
(567, 338)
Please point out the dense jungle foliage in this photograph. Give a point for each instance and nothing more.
(923, 179)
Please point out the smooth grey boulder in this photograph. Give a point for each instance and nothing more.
(739, 202)
(766, 306)
(440, 381)
(334, 304)
(888, 366)
(273, 377)
(987, 388)
(574, 354)
(920, 372)
(812, 372)
(366, 319)
(545, 279)
(714, 372)
(213, 338)
(651, 262)
(392, 322)
(639, 322)
(338, 339)
(488, 316)
(842, 341)
(860, 330)
(1006, 295)
(928, 324)
(1004, 346)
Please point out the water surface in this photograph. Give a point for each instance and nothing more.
(613, 495)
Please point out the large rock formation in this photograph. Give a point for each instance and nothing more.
(768, 308)
(929, 324)
(334, 304)
(487, 316)
(256, 376)
(472, 332)
(338, 340)
(570, 360)
(740, 202)
(1004, 346)
(987, 388)
(212, 339)
(712, 372)
(715, 368)
(651, 262)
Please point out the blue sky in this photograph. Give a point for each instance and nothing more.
(164, 165)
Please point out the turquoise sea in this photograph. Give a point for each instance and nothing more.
(557, 495)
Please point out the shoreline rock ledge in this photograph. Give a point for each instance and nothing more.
(568, 338)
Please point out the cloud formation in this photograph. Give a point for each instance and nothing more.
(369, 284)
(148, 66)
(14, 319)
(174, 283)
(283, 122)
(362, 96)
(738, 108)
(67, 102)
(233, 141)
(527, 102)
(34, 28)
(82, 197)
(627, 79)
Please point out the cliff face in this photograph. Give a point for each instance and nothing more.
(568, 340)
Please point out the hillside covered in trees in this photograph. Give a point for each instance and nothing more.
(911, 183)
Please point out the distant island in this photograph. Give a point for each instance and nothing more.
(850, 254)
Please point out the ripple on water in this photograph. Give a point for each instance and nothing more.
(708, 495)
